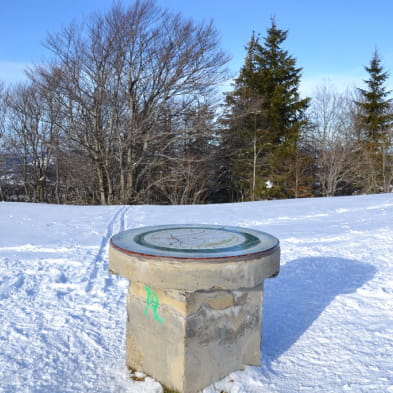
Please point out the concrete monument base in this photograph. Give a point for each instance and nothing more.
(192, 321)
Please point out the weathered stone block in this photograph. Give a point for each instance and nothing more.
(191, 321)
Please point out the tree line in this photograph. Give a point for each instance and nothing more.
(127, 109)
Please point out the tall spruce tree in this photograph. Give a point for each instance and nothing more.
(375, 107)
(265, 117)
(376, 125)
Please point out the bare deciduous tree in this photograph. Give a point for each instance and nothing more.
(121, 78)
(31, 139)
(3, 111)
(333, 134)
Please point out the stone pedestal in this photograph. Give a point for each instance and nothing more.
(194, 306)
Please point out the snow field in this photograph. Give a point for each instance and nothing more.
(328, 316)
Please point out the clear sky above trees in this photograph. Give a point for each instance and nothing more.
(333, 39)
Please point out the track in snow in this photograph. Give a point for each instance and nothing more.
(116, 224)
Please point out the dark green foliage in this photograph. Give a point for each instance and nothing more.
(264, 120)
(375, 120)
(375, 108)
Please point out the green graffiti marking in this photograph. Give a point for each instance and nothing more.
(153, 302)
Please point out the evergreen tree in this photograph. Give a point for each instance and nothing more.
(265, 118)
(375, 137)
(375, 108)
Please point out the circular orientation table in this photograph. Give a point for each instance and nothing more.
(195, 299)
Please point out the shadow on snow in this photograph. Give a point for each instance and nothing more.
(301, 292)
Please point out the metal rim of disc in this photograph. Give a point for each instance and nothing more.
(194, 241)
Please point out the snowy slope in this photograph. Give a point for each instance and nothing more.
(328, 316)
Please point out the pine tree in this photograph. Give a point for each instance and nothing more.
(242, 142)
(376, 123)
(265, 118)
(375, 108)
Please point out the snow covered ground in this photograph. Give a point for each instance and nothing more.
(328, 316)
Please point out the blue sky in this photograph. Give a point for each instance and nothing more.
(331, 39)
